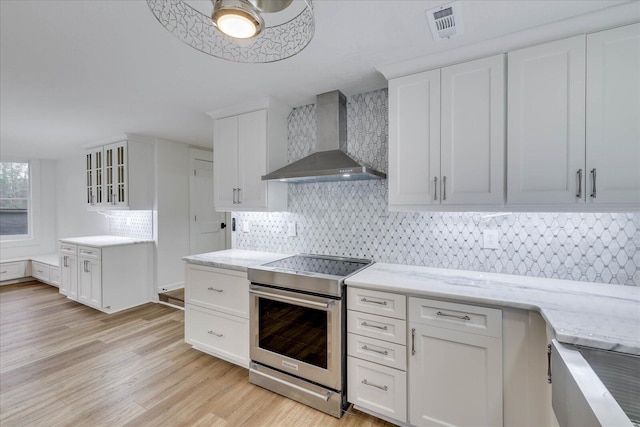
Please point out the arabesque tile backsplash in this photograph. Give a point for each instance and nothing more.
(352, 219)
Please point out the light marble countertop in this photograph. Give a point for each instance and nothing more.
(103, 241)
(589, 314)
(233, 259)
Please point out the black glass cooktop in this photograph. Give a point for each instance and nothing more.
(321, 264)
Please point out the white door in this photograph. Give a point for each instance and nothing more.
(252, 154)
(473, 132)
(546, 123)
(414, 139)
(613, 115)
(225, 168)
(455, 378)
(206, 232)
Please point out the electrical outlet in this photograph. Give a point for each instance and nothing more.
(246, 225)
(291, 229)
(490, 239)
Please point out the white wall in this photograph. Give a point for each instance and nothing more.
(43, 210)
(171, 223)
(73, 218)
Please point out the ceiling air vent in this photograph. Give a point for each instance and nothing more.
(445, 21)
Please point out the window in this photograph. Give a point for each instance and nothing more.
(14, 199)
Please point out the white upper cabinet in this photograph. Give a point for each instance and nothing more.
(613, 116)
(446, 136)
(120, 175)
(414, 139)
(546, 122)
(245, 147)
(472, 157)
(574, 122)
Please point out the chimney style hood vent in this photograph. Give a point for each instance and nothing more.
(331, 162)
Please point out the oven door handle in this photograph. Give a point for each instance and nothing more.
(301, 301)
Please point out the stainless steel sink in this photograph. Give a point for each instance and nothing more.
(592, 387)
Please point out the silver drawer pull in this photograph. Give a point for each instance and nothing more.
(374, 302)
(453, 315)
(381, 387)
(213, 333)
(40, 271)
(3, 272)
(214, 289)
(365, 348)
(384, 328)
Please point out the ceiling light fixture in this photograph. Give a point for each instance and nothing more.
(236, 30)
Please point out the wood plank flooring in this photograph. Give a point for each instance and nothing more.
(65, 364)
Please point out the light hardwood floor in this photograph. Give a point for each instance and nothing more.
(62, 363)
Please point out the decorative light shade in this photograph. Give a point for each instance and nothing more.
(257, 44)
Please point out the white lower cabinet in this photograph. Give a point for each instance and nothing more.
(217, 312)
(69, 270)
(455, 367)
(90, 276)
(110, 279)
(13, 270)
(376, 353)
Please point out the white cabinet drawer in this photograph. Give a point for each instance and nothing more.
(89, 252)
(459, 317)
(370, 325)
(218, 289)
(40, 271)
(376, 302)
(54, 276)
(68, 248)
(378, 351)
(12, 270)
(219, 334)
(377, 388)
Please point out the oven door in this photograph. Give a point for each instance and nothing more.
(297, 333)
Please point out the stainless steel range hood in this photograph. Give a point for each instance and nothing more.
(331, 162)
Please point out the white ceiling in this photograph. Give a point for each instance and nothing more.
(73, 72)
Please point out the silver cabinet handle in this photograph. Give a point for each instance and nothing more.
(3, 272)
(384, 328)
(453, 315)
(435, 188)
(214, 289)
(64, 261)
(365, 348)
(234, 195)
(593, 183)
(374, 302)
(213, 333)
(39, 271)
(444, 188)
(549, 363)
(413, 341)
(381, 387)
(239, 199)
(579, 195)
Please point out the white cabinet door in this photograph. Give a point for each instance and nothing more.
(225, 163)
(252, 155)
(69, 275)
(414, 139)
(94, 177)
(546, 123)
(455, 378)
(473, 132)
(613, 116)
(116, 174)
(90, 282)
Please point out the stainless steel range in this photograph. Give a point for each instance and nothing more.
(298, 328)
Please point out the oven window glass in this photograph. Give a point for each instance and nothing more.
(293, 331)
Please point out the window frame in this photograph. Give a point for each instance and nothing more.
(33, 238)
